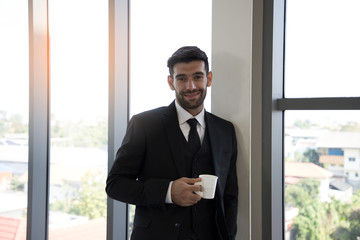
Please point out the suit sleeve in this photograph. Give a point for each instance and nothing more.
(124, 182)
(231, 192)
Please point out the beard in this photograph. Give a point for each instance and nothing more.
(191, 104)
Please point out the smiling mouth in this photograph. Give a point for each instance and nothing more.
(192, 94)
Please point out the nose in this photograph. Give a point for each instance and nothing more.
(191, 84)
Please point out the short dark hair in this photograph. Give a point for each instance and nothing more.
(185, 55)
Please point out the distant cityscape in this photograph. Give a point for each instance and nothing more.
(331, 157)
(69, 167)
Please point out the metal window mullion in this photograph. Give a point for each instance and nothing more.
(272, 127)
(117, 213)
(38, 173)
(336, 103)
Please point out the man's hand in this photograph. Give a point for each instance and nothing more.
(183, 191)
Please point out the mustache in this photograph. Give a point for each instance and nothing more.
(192, 91)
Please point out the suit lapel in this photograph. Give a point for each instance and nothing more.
(173, 132)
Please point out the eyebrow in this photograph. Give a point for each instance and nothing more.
(182, 74)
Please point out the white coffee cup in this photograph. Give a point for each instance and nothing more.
(208, 186)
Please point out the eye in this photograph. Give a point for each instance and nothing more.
(181, 78)
(198, 77)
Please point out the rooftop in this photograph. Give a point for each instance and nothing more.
(15, 229)
(306, 170)
(340, 185)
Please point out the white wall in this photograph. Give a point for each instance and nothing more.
(236, 96)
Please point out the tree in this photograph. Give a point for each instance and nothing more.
(11, 124)
(89, 201)
(350, 127)
(303, 124)
(301, 193)
(16, 184)
(352, 231)
(79, 134)
(350, 227)
(312, 156)
(308, 224)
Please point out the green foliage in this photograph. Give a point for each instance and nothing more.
(303, 124)
(350, 127)
(323, 220)
(312, 156)
(63, 133)
(308, 224)
(350, 226)
(301, 193)
(79, 134)
(340, 233)
(89, 201)
(354, 228)
(11, 124)
(15, 184)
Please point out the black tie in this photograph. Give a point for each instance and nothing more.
(194, 140)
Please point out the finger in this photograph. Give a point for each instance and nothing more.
(195, 198)
(196, 188)
(191, 180)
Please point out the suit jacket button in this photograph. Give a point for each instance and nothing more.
(177, 225)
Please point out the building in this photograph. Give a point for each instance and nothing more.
(340, 152)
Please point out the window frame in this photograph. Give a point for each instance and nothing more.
(39, 115)
(117, 212)
(39, 124)
(274, 106)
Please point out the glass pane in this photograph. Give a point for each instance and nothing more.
(322, 174)
(79, 103)
(322, 48)
(14, 117)
(155, 33)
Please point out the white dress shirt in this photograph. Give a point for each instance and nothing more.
(183, 116)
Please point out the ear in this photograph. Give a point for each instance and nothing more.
(209, 78)
(171, 82)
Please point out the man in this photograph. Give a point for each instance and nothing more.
(158, 164)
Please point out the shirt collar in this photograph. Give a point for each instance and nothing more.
(184, 115)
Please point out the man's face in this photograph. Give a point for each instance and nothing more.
(190, 83)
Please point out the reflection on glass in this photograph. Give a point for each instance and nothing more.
(155, 33)
(79, 86)
(322, 174)
(322, 48)
(14, 102)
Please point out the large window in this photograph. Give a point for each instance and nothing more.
(53, 168)
(78, 33)
(14, 110)
(314, 126)
(64, 112)
(321, 184)
(310, 168)
(322, 48)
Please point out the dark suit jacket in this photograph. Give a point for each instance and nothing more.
(151, 156)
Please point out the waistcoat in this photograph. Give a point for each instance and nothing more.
(200, 218)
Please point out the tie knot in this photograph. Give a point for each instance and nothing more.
(192, 122)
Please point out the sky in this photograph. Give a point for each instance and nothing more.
(321, 53)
